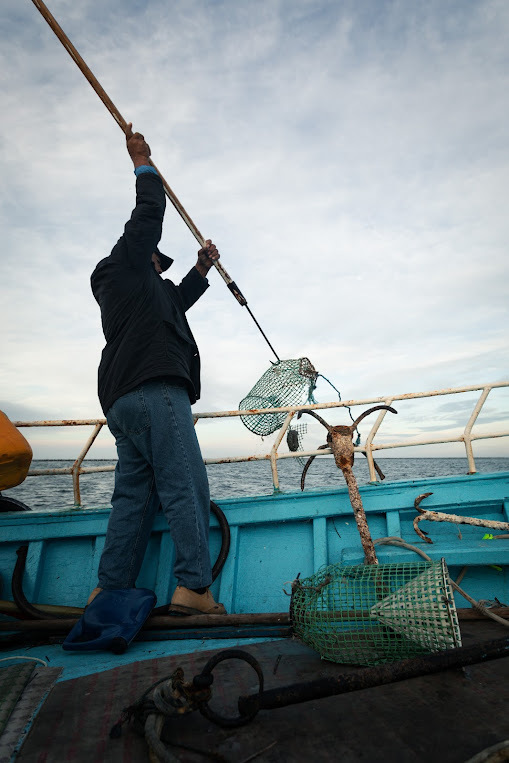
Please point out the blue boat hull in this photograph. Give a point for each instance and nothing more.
(273, 538)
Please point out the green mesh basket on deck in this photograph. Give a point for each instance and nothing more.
(369, 614)
(288, 382)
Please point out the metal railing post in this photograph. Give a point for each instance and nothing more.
(77, 464)
(369, 442)
(273, 452)
(467, 434)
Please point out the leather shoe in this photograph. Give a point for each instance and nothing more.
(187, 602)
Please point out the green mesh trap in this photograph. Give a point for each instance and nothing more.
(369, 614)
(287, 382)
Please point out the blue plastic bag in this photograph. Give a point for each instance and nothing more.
(111, 620)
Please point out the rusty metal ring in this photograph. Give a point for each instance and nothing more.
(229, 654)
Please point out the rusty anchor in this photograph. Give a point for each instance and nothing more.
(439, 516)
(340, 441)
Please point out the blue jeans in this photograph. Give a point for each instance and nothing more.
(159, 462)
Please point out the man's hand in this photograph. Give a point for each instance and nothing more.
(206, 258)
(138, 149)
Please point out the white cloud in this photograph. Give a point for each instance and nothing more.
(350, 160)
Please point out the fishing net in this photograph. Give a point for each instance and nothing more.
(369, 614)
(295, 441)
(287, 382)
(294, 437)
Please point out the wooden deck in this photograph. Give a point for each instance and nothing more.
(444, 718)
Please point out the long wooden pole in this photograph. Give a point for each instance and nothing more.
(119, 119)
(159, 622)
(162, 622)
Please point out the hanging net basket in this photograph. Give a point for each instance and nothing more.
(370, 614)
(288, 382)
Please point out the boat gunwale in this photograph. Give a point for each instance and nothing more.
(23, 524)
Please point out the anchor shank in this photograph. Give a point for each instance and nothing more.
(360, 517)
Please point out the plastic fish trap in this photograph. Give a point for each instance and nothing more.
(288, 382)
(370, 614)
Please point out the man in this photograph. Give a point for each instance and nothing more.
(149, 376)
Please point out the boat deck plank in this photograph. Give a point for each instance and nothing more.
(447, 717)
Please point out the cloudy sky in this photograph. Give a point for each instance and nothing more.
(349, 159)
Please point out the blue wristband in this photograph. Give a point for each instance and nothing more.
(145, 168)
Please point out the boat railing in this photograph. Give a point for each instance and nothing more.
(467, 436)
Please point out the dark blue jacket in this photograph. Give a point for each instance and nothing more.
(143, 315)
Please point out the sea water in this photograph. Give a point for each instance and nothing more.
(253, 478)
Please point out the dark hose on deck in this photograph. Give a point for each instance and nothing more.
(31, 612)
(34, 613)
(369, 677)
